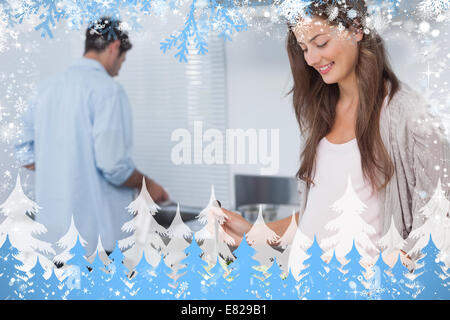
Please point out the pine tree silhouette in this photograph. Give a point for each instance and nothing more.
(67, 242)
(260, 236)
(313, 282)
(297, 254)
(119, 274)
(354, 275)
(13, 284)
(37, 283)
(76, 273)
(97, 280)
(434, 275)
(22, 229)
(349, 226)
(53, 287)
(142, 276)
(387, 288)
(275, 283)
(392, 242)
(162, 284)
(174, 253)
(218, 285)
(146, 232)
(291, 286)
(212, 238)
(398, 286)
(195, 271)
(293, 242)
(437, 223)
(244, 281)
(413, 286)
(335, 279)
(288, 236)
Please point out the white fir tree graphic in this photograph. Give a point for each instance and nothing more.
(391, 243)
(260, 237)
(22, 229)
(146, 237)
(67, 242)
(285, 243)
(178, 233)
(437, 224)
(297, 253)
(293, 239)
(2, 238)
(213, 239)
(101, 252)
(349, 227)
(288, 236)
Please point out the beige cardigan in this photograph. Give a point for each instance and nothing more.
(417, 143)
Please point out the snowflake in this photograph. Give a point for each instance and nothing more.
(124, 26)
(7, 174)
(2, 112)
(352, 13)
(220, 24)
(105, 3)
(3, 30)
(428, 52)
(160, 7)
(8, 132)
(294, 9)
(183, 286)
(378, 21)
(234, 15)
(21, 105)
(332, 12)
(430, 8)
(148, 274)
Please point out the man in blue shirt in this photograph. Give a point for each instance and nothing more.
(77, 137)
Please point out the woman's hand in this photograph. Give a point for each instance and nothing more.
(235, 226)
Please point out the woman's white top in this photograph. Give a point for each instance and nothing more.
(415, 138)
(341, 206)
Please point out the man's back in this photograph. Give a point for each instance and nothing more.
(78, 127)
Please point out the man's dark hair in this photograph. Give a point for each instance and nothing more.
(104, 31)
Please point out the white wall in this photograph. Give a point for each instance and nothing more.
(258, 80)
(35, 59)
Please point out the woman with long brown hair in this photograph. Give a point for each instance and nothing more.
(360, 125)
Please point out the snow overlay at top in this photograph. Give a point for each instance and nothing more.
(201, 17)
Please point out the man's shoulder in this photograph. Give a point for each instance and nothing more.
(95, 80)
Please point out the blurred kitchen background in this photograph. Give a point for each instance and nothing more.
(240, 84)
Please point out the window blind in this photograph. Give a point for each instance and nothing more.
(166, 95)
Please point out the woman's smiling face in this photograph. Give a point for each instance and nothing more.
(330, 50)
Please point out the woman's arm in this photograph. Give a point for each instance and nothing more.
(428, 151)
(280, 226)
